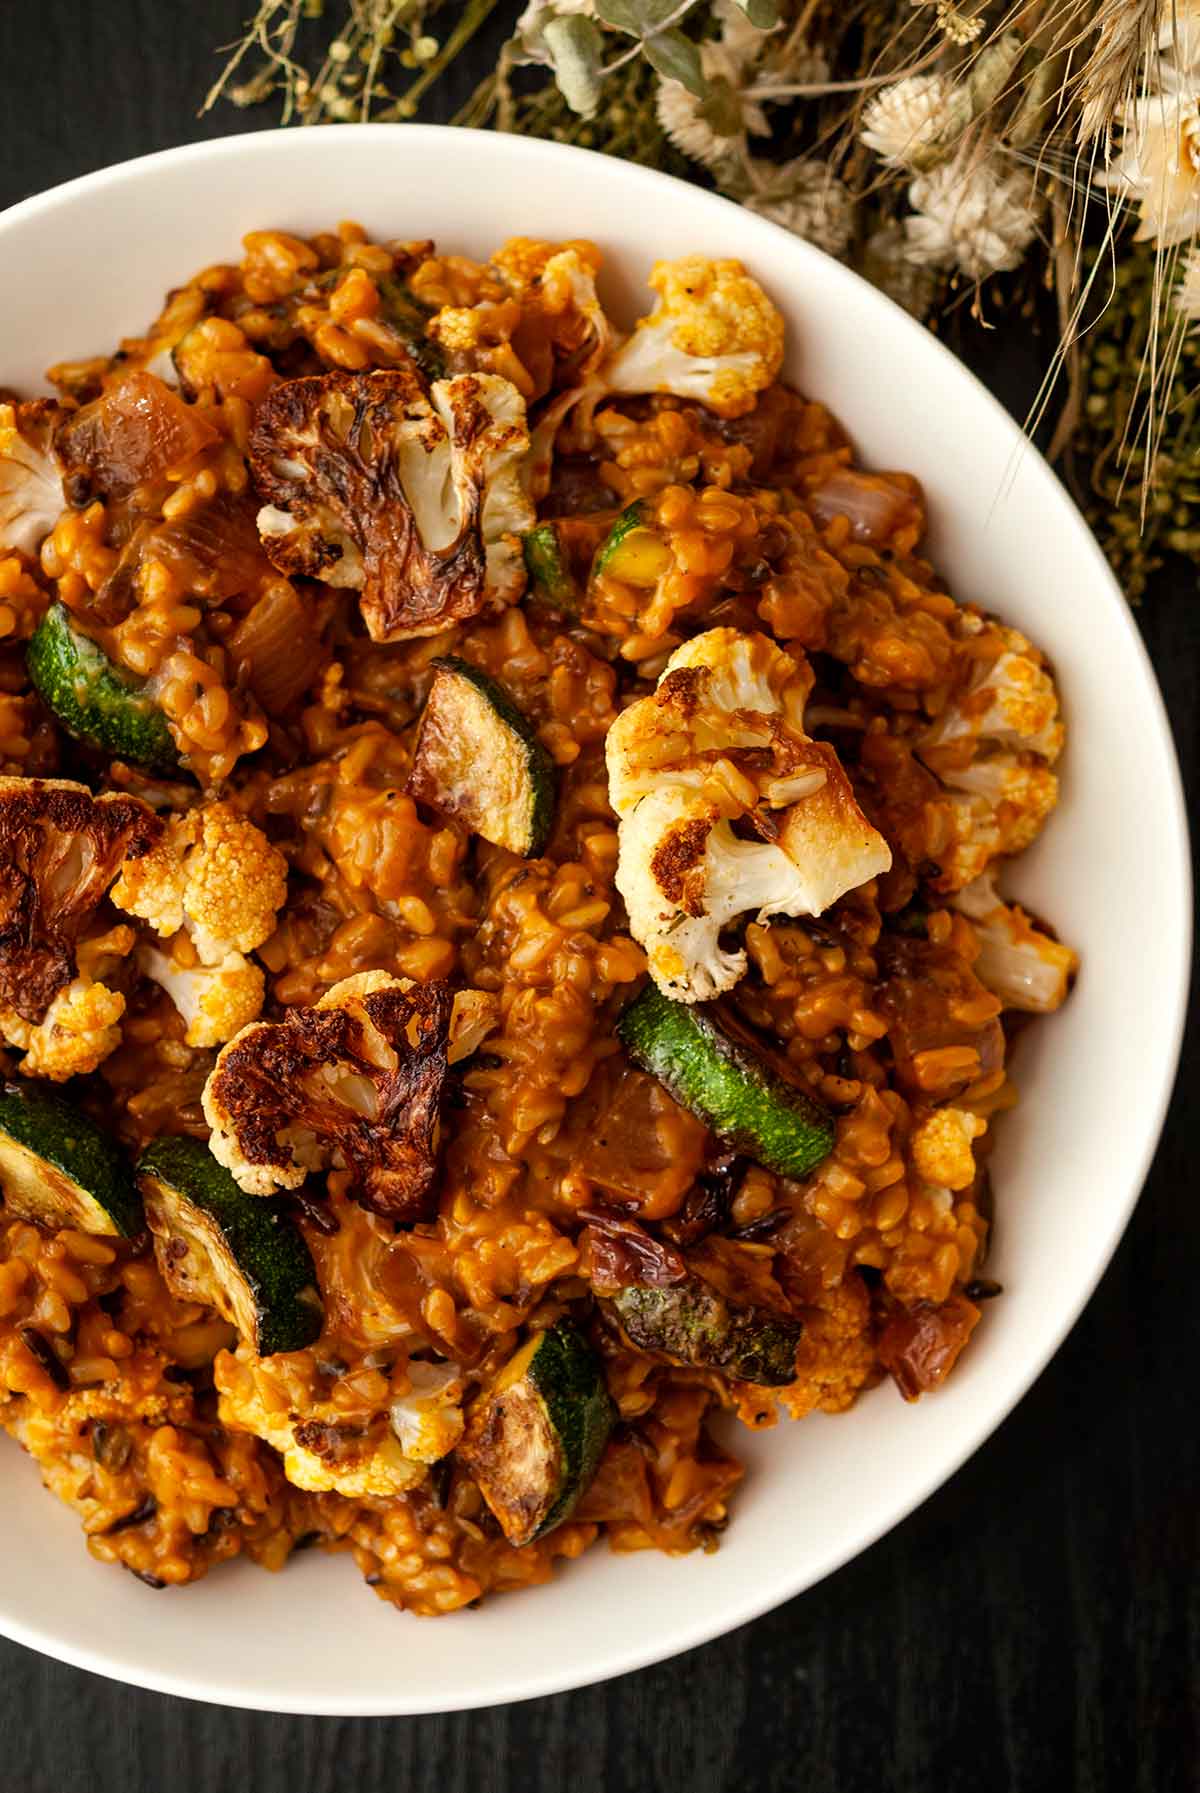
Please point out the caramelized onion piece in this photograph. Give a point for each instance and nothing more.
(133, 433)
(878, 506)
(279, 645)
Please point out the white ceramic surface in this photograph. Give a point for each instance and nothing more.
(1112, 868)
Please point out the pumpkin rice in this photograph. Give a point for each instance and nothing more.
(893, 1009)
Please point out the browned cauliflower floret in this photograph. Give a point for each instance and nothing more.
(354, 1083)
(1011, 703)
(1000, 804)
(713, 336)
(59, 851)
(413, 500)
(1025, 967)
(214, 874)
(77, 1033)
(993, 745)
(721, 741)
(216, 1001)
(942, 1147)
(320, 1451)
(31, 493)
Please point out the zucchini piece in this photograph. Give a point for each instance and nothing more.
(478, 760)
(409, 318)
(59, 1169)
(708, 1067)
(548, 568)
(533, 1439)
(693, 1323)
(94, 700)
(233, 1252)
(633, 550)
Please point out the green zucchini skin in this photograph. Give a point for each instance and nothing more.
(463, 769)
(241, 1255)
(622, 556)
(94, 700)
(693, 1323)
(725, 1083)
(548, 571)
(536, 1436)
(59, 1169)
(408, 317)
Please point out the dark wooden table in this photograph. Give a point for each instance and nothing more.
(1035, 1626)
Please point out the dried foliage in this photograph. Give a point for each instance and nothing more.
(976, 151)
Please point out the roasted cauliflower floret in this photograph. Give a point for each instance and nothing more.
(214, 874)
(60, 848)
(721, 741)
(216, 1001)
(999, 807)
(353, 1084)
(474, 1015)
(1011, 703)
(414, 501)
(564, 279)
(78, 1031)
(320, 1453)
(1021, 792)
(1017, 962)
(31, 492)
(547, 332)
(713, 336)
(428, 1420)
(942, 1147)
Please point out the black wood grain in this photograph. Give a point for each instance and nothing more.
(1034, 1626)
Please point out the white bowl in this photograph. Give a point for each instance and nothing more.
(94, 259)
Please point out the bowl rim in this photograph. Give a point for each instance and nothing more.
(670, 1639)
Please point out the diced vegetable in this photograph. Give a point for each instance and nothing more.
(131, 435)
(58, 1169)
(95, 700)
(633, 551)
(534, 1438)
(709, 1067)
(692, 1322)
(478, 760)
(921, 1347)
(231, 1251)
(279, 646)
(549, 573)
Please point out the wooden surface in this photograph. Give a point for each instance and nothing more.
(1035, 1625)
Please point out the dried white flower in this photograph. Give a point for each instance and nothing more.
(886, 265)
(1179, 35)
(709, 130)
(1158, 166)
(906, 119)
(806, 199)
(968, 216)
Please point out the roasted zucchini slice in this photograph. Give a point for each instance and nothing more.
(633, 550)
(693, 1323)
(711, 1068)
(478, 760)
(59, 1169)
(94, 700)
(233, 1252)
(534, 1438)
(409, 318)
(548, 568)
